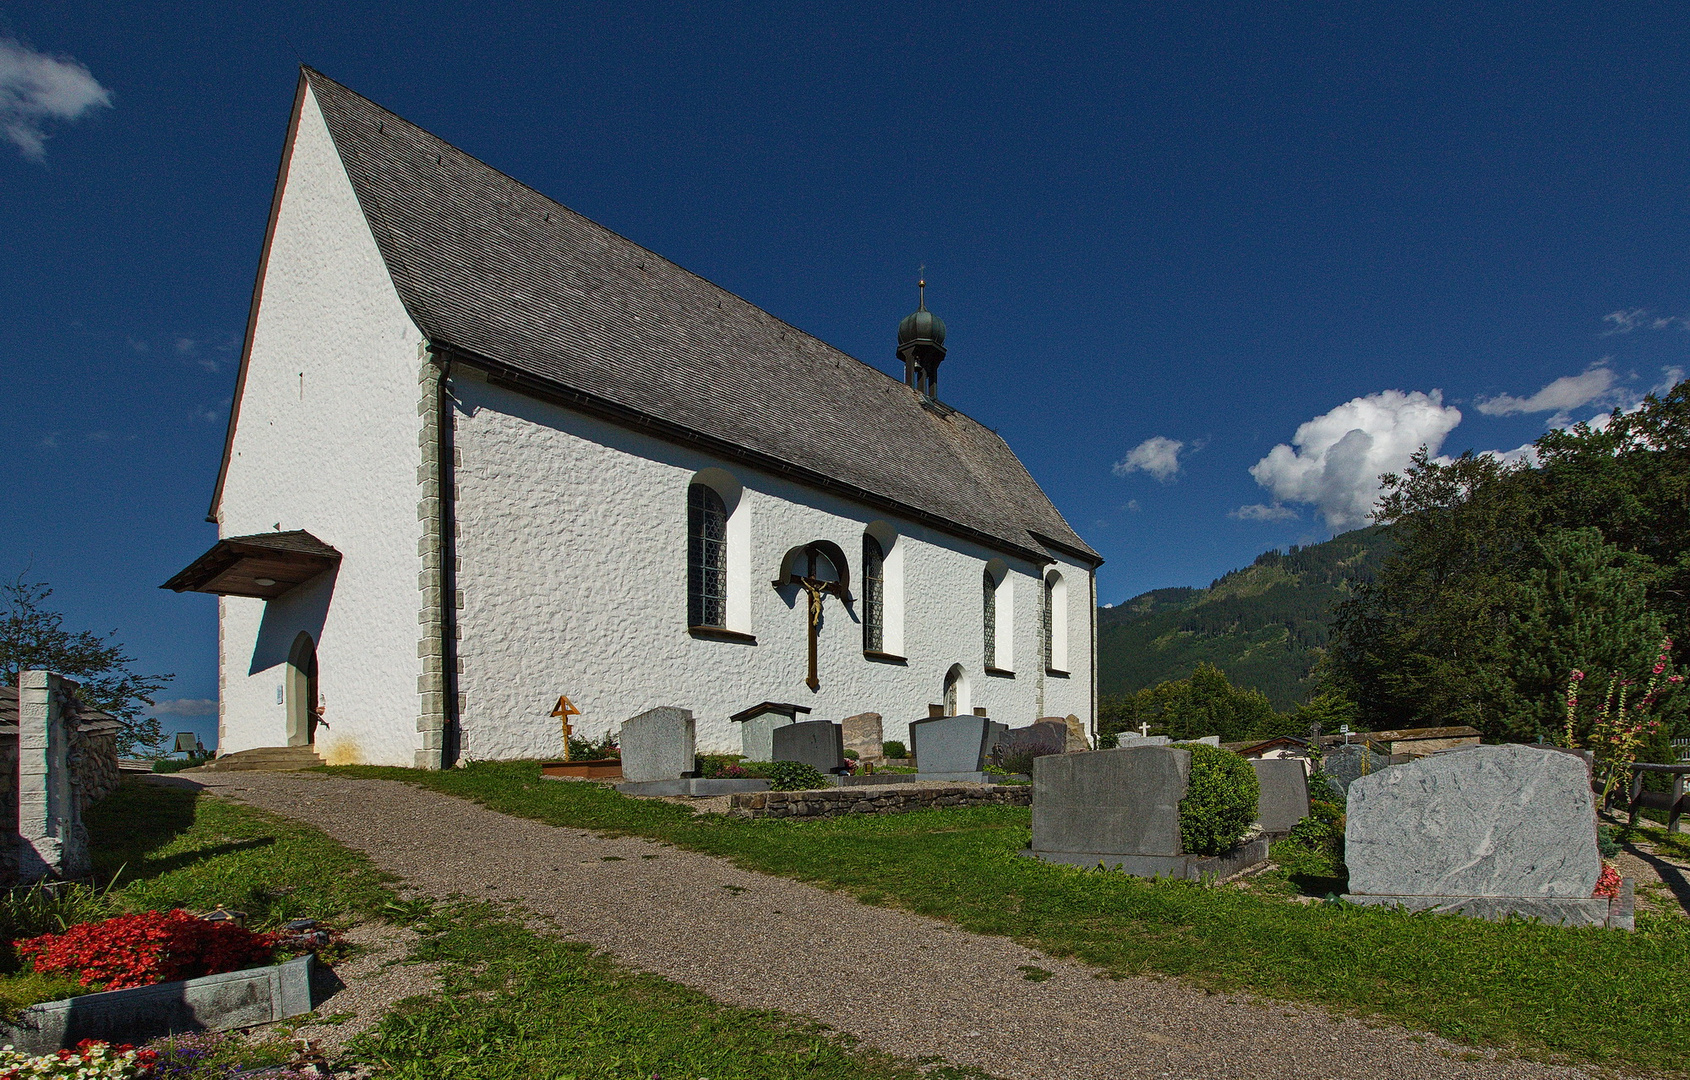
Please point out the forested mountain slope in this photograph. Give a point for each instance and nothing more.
(1264, 625)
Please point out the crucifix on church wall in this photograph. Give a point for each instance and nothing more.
(819, 570)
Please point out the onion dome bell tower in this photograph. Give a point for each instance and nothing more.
(921, 346)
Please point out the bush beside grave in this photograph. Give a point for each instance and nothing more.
(1220, 801)
(894, 750)
(795, 776)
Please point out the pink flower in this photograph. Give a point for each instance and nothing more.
(1660, 668)
(1578, 674)
(1675, 678)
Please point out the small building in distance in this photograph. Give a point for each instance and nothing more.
(484, 453)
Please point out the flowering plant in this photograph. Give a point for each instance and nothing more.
(91, 1060)
(152, 947)
(1608, 884)
(1622, 722)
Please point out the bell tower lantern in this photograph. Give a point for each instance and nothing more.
(921, 346)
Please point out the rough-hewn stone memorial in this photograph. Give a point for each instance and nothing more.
(658, 744)
(817, 743)
(862, 733)
(952, 747)
(1036, 740)
(1488, 832)
(1284, 800)
(1345, 763)
(1121, 809)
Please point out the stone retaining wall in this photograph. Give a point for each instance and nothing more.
(899, 799)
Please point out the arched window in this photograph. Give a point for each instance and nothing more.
(989, 616)
(707, 557)
(1049, 611)
(874, 595)
(956, 691)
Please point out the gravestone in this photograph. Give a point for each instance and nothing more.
(862, 733)
(1206, 740)
(1044, 737)
(817, 743)
(658, 744)
(1133, 738)
(1077, 740)
(757, 728)
(1120, 808)
(1284, 800)
(53, 841)
(1488, 832)
(1345, 763)
(952, 747)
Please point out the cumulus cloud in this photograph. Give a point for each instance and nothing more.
(1567, 392)
(1263, 512)
(36, 89)
(1335, 460)
(1157, 455)
(186, 707)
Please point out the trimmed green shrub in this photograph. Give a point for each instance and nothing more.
(853, 755)
(795, 776)
(1220, 801)
(892, 748)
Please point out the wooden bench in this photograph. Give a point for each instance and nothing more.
(1674, 803)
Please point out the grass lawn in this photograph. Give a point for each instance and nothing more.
(515, 1004)
(1578, 994)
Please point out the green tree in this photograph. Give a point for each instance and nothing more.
(1507, 576)
(1205, 704)
(33, 637)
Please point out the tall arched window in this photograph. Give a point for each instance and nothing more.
(989, 616)
(874, 595)
(707, 557)
(1049, 612)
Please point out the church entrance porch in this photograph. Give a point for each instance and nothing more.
(300, 691)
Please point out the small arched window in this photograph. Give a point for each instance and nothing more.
(707, 557)
(989, 616)
(874, 595)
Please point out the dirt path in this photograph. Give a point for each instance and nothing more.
(906, 984)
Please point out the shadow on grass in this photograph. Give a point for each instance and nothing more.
(134, 821)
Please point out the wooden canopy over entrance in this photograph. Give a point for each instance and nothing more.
(264, 565)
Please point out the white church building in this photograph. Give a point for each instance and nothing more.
(484, 453)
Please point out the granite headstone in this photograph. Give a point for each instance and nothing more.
(1345, 763)
(658, 744)
(1490, 831)
(1284, 799)
(757, 731)
(951, 744)
(817, 743)
(1035, 740)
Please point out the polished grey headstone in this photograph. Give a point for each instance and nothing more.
(1133, 738)
(658, 744)
(1122, 802)
(1345, 763)
(1285, 793)
(1491, 821)
(818, 743)
(951, 744)
(234, 999)
(757, 734)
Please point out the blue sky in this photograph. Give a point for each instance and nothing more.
(1340, 229)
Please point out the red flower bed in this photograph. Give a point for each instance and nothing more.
(153, 947)
(1608, 885)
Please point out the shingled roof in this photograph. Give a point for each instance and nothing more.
(508, 279)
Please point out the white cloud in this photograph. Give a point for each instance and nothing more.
(186, 707)
(1133, 506)
(1157, 455)
(1263, 512)
(1567, 392)
(1640, 319)
(1335, 460)
(36, 88)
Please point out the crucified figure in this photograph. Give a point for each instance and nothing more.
(807, 573)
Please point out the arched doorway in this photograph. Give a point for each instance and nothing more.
(302, 693)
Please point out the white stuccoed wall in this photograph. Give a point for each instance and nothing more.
(336, 454)
(572, 541)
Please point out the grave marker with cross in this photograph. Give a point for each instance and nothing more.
(565, 709)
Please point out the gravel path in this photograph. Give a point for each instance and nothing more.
(909, 985)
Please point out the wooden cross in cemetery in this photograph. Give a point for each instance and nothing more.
(819, 574)
(565, 709)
